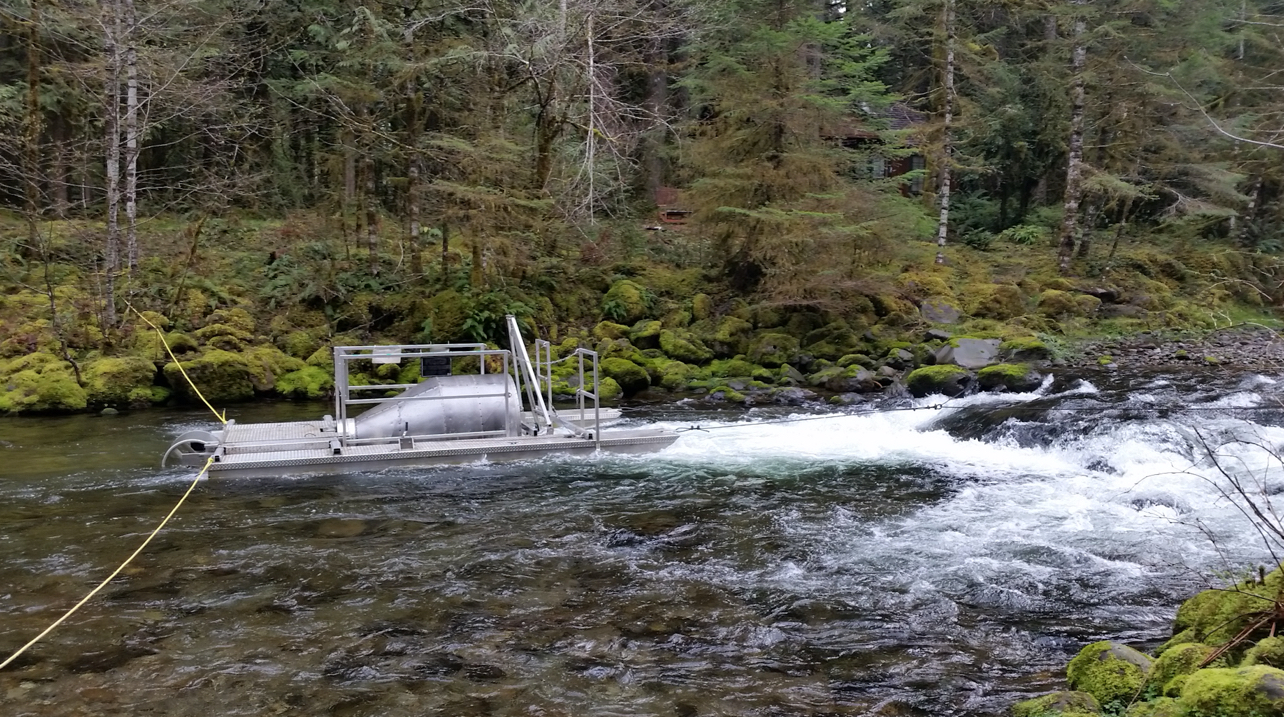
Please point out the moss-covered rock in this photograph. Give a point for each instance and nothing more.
(268, 363)
(626, 302)
(998, 301)
(1169, 671)
(1023, 349)
(682, 346)
(299, 344)
(1268, 651)
(772, 349)
(675, 375)
(1111, 672)
(949, 381)
(726, 337)
(832, 341)
(1216, 616)
(111, 381)
(608, 390)
(631, 377)
(726, 393)
(1009, 377)
(1161, 707)
(857, 360)
(1256, 691)
(322, 358)
(307, 382)
(1058, 704)
(620, 348)
(733, 367)
(610, 331)
(645, 334)
(1059, 304)
(701, 307)
(224, 336)
(39, 383)
(237, 318)
(221, 376)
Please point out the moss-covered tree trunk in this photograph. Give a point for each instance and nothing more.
(1074, 165)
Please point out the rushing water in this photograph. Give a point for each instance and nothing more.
(928, 562)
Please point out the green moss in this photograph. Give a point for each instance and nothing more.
(1216, 616)
(609, 331)
(214, 332)
(1110, 672)
(701, 307)
(733, 367)
(608, 390)
(1256, 691)
(1059, 304)
(446, 312)
(726, 337)
(220, 375)
(645, 334)
(321, 358)
(928, 380)
(47, 387)
(682, 346)
(299, 344)
(772, 349)
(307, 382)
(112, 381)
(625, 302)
(238, 319)
(1025, 349)
(1058, 704)
(267, 363)
(1162, 707)
(630, 377)
(1105, 360)
(997, 301)
(1010, 377)
(832, 341)
(1176, 662)
(727, 394)
(675, 375)
(857, 360)
(1268, 651)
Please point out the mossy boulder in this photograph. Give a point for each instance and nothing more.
(626, 302)
(1256, 691)
(1024, 349)
(237, 318)
(1061, 304)
(1111, 672)
(1169, 672)
(609, 390)
(221, 376)
(1213, 617)
(307, 382)
(675, 375)
(701, 307)
(1268, 651)
(997, 301)
(1058, 704)
(110, 381)
(733, 367)
(610, 331)
(832, 341)
(299, 344)
(322, 358)
(1161, 707)
(772, 350)
(39, 383)
(857, 360)
(645, 334)
(726, 337)
(949, 381)
(1009, 377)
(268, 363)
(630, 377)
(620, 348)
(224, 336)
(681, 345)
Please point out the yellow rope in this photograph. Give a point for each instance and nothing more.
(221, 418)
(103, 584)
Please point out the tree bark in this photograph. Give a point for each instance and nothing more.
(131, 135)
(947, 145)
(372, 219)
(111, 128)
(31, 153)
(1074, 166)
(657, 99)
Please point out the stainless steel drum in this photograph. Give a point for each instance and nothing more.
(447, 405)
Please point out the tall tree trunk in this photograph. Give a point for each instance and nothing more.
(413, 188)
(1250, 212)
(59, 179)
(947, 139)
(657, 100)
(111, 140)
(131, 135)
(1074, 166)
(31, 150)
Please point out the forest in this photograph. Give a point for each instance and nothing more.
(784, 183)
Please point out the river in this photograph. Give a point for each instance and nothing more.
(941, 561)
